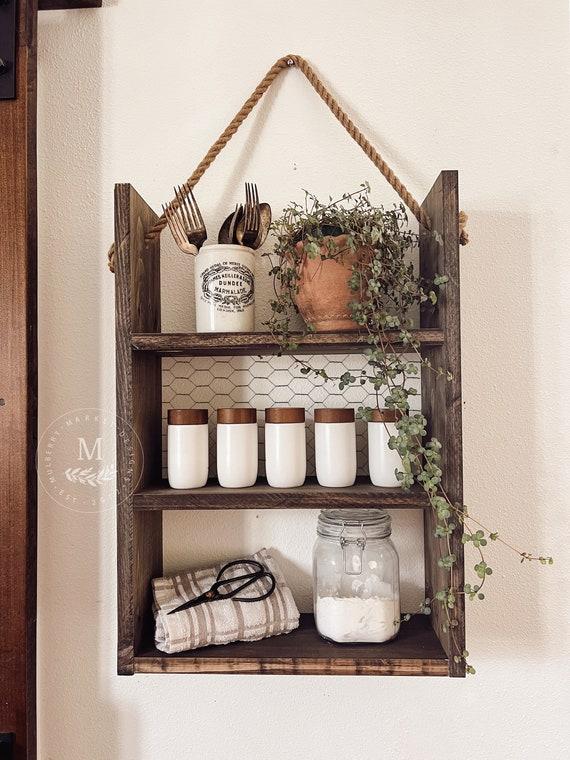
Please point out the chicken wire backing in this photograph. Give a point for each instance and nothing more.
(214, 382)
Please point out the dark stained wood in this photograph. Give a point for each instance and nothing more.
(415, 652)
(441, 399)
(262, 496)
(55, 5)
(137, 293)
(18, 392)
(260, 344)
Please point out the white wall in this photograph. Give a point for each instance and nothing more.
(136, 92)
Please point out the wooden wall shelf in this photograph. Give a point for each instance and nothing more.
(261, 496)
(262, 344)
(422, 647)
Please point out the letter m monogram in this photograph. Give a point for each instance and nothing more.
(95, 451)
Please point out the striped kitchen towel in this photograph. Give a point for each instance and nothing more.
(222, 621)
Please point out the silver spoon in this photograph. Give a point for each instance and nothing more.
(227, 230)
(264, 224)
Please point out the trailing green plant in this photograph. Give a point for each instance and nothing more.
(388, 294)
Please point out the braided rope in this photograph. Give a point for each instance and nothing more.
(335, 108)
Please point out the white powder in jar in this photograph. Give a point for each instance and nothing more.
(346, 619)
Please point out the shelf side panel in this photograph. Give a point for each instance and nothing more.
(441, 399)
(137, 294)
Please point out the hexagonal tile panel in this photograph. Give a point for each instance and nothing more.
(181, 369)
(242, 393)
(281, 394)
(261, 368)
(179, 385)
(203, 394)
(280, 377)
(201, 377)
(260, 385)
(221, 369)
(199, 362)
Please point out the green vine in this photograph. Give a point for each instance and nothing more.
(388, 294)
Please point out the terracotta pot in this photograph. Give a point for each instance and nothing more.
(324, 292)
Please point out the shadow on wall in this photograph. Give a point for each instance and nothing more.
(76, 599)
(500, 422)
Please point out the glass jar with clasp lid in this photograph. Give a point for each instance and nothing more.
(356, 579)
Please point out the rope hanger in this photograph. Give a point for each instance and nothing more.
(280, 65)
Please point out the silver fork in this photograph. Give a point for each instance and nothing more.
(185, 221)
(252, 215)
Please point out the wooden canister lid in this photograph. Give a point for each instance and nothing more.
(237, 415)
(285, 414)
(385, 415)
(334, 415)
(187, 416)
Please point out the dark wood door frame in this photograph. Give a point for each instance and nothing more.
(18, 391)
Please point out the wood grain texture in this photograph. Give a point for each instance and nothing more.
(18, 389)
(261, 344)
(137, 294)
(415, 652)
(56, 5)
(441, 399)
(262, 496)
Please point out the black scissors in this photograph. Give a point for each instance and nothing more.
(215, 593)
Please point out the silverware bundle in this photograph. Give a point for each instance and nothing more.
(247, 225)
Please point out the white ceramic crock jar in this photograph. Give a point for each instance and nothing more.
(237, 447)
(224, 287)
(335, 447)
(285, 446)
(187, 455)
(382, 460)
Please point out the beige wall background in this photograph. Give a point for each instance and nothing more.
(137, 91)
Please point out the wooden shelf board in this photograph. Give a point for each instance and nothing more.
(262, 496)
(416, 651)
(259, 344)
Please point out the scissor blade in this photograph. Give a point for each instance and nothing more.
(190, 603)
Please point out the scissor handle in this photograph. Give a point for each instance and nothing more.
(260, 597)
(236, 562)
(249, 579)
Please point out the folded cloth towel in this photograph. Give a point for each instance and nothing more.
(224, 620)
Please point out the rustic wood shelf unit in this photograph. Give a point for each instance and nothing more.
(422, 647)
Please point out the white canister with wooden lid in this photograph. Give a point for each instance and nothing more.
(285, 446)
(187, 454)
(383, 462)
(335, 447)
(236, 447)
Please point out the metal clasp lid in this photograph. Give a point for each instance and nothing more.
(352, 550)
